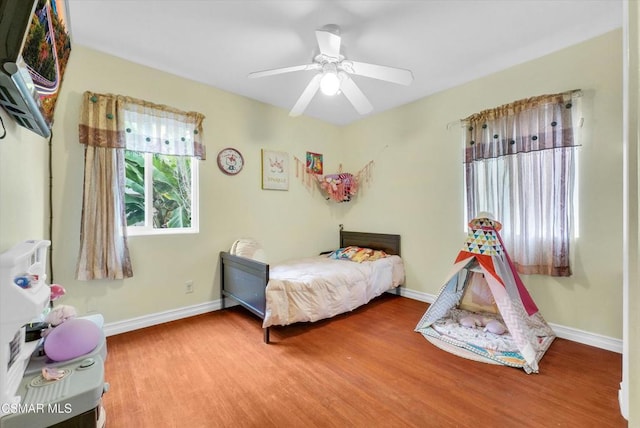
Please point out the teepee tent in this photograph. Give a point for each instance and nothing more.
(483, 311)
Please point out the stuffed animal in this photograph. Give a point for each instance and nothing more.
(60, 314)
(57, 316)
(471, 321)
(491, 325)
(495, 327)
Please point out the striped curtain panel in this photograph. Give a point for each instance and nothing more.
(104, 253)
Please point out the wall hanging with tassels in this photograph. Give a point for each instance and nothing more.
(339, 187)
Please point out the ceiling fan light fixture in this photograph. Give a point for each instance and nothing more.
(334, 76)
(330, 83)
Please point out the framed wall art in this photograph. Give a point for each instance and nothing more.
(314, 163)
(275, 170)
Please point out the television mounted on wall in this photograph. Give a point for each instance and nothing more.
(35, 44)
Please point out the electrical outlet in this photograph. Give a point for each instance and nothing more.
(188, 287)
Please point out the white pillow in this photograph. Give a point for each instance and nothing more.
(249, 248)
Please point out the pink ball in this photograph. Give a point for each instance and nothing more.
(71, 339)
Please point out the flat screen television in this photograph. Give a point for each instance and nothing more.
(35, 44)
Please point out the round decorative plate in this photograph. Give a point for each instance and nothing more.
(230, 161)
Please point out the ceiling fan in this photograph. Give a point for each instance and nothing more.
(334, 72)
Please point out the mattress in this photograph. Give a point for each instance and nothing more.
(315, 288)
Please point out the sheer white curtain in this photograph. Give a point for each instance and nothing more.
(161, 129)
(520, 166)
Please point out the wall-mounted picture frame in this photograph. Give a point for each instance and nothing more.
(275, 170)
(314, 163)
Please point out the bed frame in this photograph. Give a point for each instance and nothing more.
(245, 280)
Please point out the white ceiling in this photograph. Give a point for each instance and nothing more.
(444, 42)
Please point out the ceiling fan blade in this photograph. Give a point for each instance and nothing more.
(380, 72)
(355, 95)
(263, 73)
(329, 40)
(306, 96)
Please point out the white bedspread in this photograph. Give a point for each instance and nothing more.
(318, 287)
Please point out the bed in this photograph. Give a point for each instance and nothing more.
(312, 288)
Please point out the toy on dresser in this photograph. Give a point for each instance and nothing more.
(51, 360)
(67, 336)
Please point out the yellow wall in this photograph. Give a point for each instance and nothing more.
(24, 175)
(416, 187)
(230, 207)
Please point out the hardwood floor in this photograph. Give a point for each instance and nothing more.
(363, 369)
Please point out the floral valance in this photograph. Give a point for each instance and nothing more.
(117, 121)
(98, 125)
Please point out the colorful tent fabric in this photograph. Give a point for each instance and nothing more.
(483, 257)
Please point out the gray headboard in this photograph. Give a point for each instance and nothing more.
(388, 243)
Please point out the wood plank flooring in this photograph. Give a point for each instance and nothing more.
(367, 368)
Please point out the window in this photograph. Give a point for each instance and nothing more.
(138, 156)
(161, 193)
(161, 171)
(520, 165)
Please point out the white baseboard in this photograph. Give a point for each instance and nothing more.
(623, 400)
(587, 338)
(160, 317)
(580, 336)
(417, 295)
